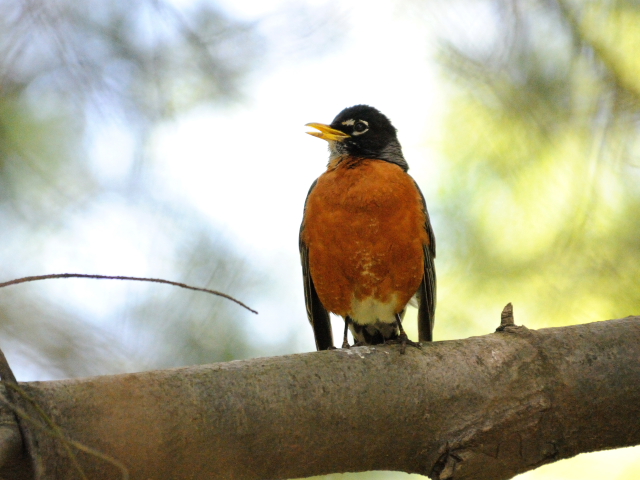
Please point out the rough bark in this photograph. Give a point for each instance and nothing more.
(481, 408)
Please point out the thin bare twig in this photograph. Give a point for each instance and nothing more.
(109, 277)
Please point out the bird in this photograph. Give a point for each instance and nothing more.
(366, 242)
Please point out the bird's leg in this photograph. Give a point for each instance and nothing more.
(402, 338)
(345, 341)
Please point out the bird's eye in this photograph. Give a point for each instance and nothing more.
(360, 127)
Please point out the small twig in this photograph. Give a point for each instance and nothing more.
(506, 318)
(6, 374)
(109, 277)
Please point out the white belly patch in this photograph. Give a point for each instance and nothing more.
(370, 311)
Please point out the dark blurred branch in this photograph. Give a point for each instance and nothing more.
(48, 427)
(12, 441)
(483, 408)
(109, 277)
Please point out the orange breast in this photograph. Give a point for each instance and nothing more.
(364, 226)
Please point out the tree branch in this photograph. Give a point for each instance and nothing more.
(485, 407)
(50, 276)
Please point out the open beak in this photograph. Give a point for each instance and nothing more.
(327, 133)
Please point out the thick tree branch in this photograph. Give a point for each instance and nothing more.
(482, 408)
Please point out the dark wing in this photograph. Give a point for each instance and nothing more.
(427, 290)
(317, 314)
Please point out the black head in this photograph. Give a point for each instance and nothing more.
(362, 131)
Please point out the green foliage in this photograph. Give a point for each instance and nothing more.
(36, 147)
(542, 188)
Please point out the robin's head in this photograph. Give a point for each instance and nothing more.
(361, 131)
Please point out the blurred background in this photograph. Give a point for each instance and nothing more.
(165, 138)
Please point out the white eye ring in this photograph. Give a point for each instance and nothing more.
(359, 123)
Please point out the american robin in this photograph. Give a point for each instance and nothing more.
(366, 242)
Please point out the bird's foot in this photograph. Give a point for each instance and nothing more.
(345, 344)
(403, 340)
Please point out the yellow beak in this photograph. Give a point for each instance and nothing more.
(327, 133)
